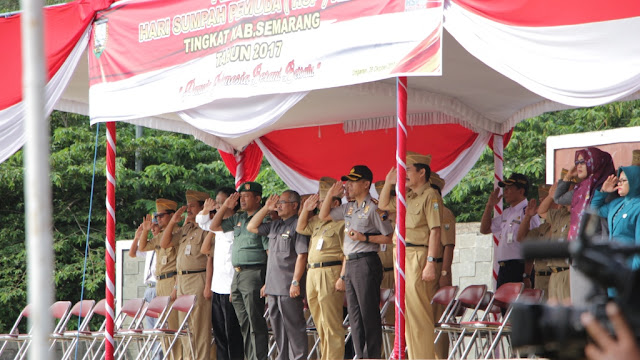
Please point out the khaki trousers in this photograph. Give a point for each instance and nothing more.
(420, 313)
(325, 304)
(542, 283)
(200, 318)
(560, 286)
(164, 287)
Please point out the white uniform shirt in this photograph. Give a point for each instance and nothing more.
(222, 268)
(505, 228)
(149, 265)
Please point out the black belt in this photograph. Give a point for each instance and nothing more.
(504, 263)
(246, 267)
(167, 275)
(187, 272)
(388, 269)
(324, 264)
(361, 255)
(557, 269)
(415, 245)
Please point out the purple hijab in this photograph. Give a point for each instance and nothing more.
(599, 167)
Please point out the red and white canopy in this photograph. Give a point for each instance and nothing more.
(323, 98)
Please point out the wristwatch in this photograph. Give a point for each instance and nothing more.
(431, 259)
(444, 273)
(343, 278)
(295, 283)
(525, 275)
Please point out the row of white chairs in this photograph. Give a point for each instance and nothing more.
(128, 328)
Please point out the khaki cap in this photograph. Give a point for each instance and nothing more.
(635, 161)
(415, 158)
(436, 180)
(162, 205)
(543, 191)
(379, 185)
(193, 195)
(325, 184)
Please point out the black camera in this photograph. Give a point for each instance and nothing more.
(556, 331)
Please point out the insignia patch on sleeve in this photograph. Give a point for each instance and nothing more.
(435, 205)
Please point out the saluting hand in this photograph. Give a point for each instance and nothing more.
(209, 205)
(272, 202)
(139, 231)
(495, 197)
(336, 190)
(532, 208)
(179, 215)
(611, 184)
(232, 200)
(311, 203)
(573, 172)
(392, 176)
(146, 222)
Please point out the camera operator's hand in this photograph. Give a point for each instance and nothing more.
(604, 346)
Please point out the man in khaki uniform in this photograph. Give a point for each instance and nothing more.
(165, 263)
(386, 256)
(423, 252)
(559, 218)
(325, 288)
(192, 269)
(448, 241)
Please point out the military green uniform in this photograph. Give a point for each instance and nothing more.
(192, 265)
(324, 266)
(166, 280)
(249, 258)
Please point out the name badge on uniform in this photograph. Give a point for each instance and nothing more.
(383, 247)
(187, 250)
(509, 237)
(285, 236)
(320, 242)
(350, 211)
(164, 260)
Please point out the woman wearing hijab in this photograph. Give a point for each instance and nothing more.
(623, 213)
(592, 168)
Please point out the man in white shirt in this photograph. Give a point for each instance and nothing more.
(505, 228)
(226, 329)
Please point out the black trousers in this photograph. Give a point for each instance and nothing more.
(226, 329)
(363, 279)
(512, 272)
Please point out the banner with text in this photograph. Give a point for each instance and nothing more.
(154, 57)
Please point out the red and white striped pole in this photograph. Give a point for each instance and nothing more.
(498, 166)
(110, 254)
(401, 209)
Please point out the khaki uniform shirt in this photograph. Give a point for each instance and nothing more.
(326, 240)
(560, 220)
(424, 212)
(541, 233)
(448, 228)
(190, 239)
(285, 244)
(364, 218)
(165, 258)
(248, 248)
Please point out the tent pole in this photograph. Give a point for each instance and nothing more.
(498, 165)
(110, 245)
(37, 185)
(401, 155)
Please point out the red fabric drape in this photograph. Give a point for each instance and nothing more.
(251, 159)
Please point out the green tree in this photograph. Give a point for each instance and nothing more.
(526, 151)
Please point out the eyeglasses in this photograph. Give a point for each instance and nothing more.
(580, 162)
(159, 216)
